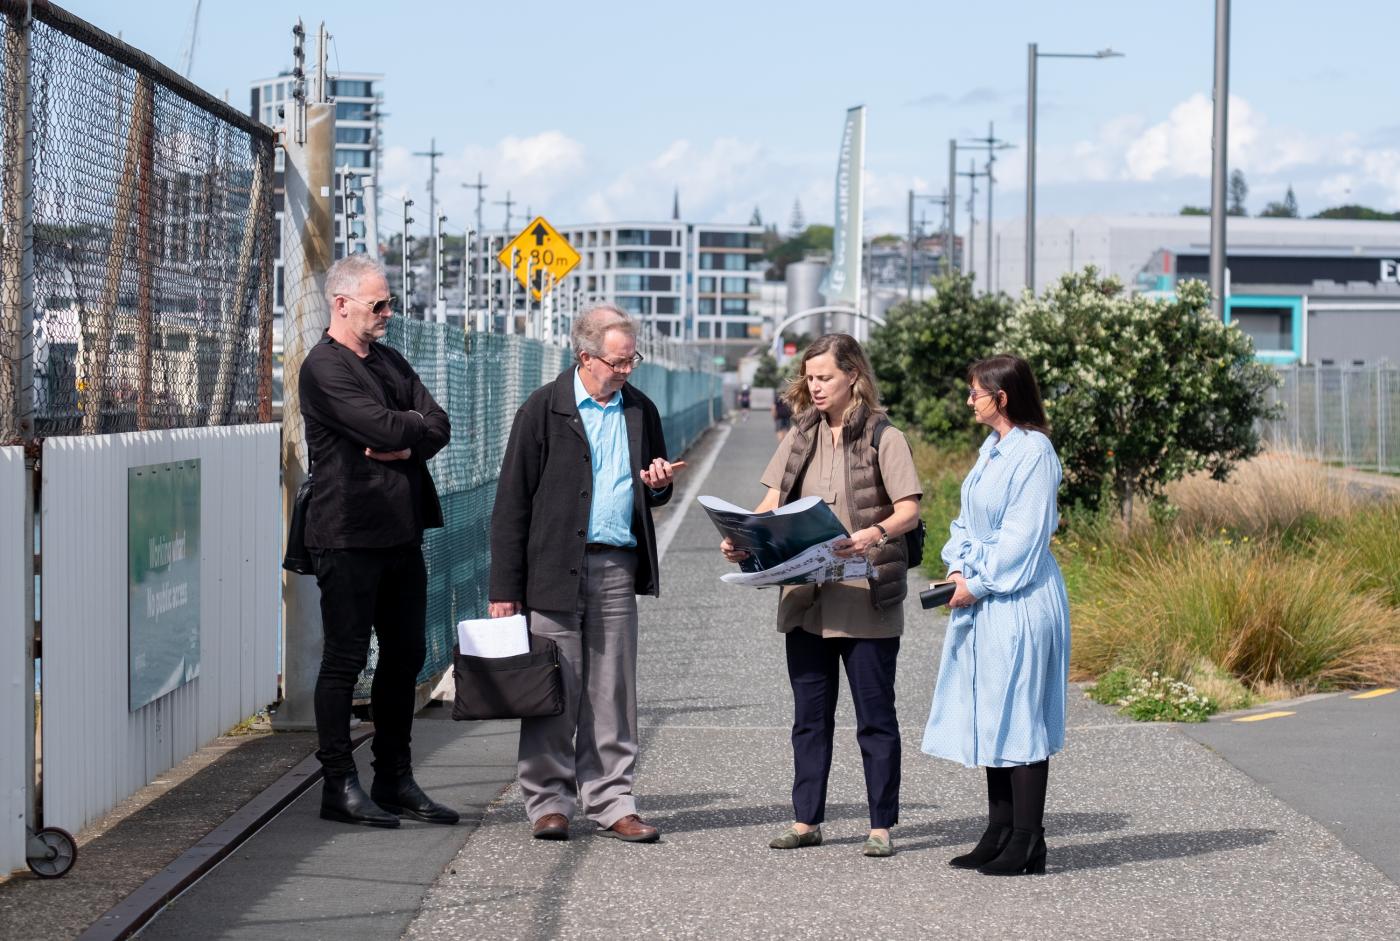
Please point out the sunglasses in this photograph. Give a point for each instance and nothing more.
(379, 307)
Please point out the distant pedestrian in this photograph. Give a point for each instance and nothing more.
(782, 415)
(370, 429)
(572, 545)
(831, 453)
(741, 401)
(1000, 698)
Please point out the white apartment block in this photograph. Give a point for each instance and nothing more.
(688, 281)
(358, 104)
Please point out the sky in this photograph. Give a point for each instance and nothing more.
(598, 112)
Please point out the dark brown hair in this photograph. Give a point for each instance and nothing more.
(1012, 375)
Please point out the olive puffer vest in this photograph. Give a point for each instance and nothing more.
(866, 500)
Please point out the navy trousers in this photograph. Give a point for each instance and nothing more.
(814, 670)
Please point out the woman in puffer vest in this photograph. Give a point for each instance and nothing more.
(830, 452)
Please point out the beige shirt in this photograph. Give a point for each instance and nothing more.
(842, 609)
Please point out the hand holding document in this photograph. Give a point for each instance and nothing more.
(493, 637)
(792, 545)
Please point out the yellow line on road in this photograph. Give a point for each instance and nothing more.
(1262, 716)
(1373, 694)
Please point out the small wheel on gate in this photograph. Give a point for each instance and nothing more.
(59, 853)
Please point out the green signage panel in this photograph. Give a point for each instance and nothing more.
(162, 525)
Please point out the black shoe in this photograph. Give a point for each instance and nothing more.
(988, 848)
(1024, 853)
(344, 800)
(404, 797)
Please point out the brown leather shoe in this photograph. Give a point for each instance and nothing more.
(551, 827)
(631, 829)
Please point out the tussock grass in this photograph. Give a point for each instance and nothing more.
(1263, 615)
(1274, 494)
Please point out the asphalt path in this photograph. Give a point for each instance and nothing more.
(1335, 758)
(1150, 834)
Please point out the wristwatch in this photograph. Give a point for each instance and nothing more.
(884, 534)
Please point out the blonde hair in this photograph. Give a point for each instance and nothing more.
(850, 357)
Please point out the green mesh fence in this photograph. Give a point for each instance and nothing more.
(481, 381)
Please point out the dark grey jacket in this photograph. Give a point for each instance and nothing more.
(539, 526)
(358, 502)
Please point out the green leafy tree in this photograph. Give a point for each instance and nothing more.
(1353, 211)
(766, 375)
(1140, 392)
(814, 238)
(1287, 208)
(1239, 192)
(922, 352)
(1194, 211)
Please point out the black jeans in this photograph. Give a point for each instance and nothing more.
(362, 589)
(814, 669)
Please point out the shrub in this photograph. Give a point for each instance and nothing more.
(921, 354)
(1139, 392)
(1274, 494)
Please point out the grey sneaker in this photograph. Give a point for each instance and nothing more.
(791, 839)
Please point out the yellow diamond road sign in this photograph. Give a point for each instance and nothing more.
(542, 257)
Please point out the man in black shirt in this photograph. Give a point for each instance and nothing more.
(370, 429)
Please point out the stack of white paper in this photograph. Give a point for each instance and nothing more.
(493, 637)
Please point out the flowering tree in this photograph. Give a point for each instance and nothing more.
(921, 354)
(1140, 392)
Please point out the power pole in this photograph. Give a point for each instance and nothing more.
(481, 260)
(952, 205)
(432, 153)
(991, 144)
(972, 174)
(507, 202)
(404, 242)
(439, 288)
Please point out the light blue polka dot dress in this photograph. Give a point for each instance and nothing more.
(1000, 698)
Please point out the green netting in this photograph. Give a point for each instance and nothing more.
(481, 380)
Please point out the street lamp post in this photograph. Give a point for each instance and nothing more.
(1219, 159)
(1032, 56)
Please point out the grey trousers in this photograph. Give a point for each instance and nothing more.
(588, 752)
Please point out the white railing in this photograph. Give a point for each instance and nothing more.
(96, 751)
(15, 685)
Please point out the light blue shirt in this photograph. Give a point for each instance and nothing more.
(610, 514)
(1000, 698)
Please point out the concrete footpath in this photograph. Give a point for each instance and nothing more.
(1150, 834)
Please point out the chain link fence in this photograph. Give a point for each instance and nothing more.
(137, 242)
(481, 382)
(1348, 415)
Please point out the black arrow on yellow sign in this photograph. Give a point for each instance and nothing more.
(540, 233)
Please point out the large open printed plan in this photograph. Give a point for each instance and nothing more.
(791, 545)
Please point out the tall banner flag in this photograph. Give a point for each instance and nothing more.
(843, 280)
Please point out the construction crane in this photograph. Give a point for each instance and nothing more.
(187, 61)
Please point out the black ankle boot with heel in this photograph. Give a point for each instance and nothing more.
(987, 849)
(1024, 854)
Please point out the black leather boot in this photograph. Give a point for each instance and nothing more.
(1024, 854)
(988, 848)
(344, 800)
(401, 795)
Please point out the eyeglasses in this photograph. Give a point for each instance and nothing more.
(379, 306)
(975, 394)
(627, 365)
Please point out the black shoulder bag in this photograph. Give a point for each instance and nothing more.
(297, 559)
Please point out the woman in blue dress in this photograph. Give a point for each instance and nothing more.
(1000, 699)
